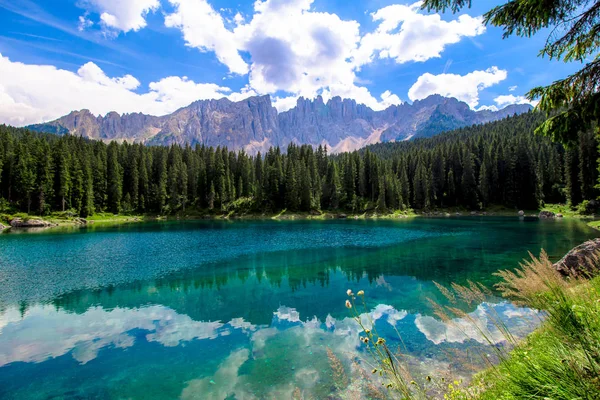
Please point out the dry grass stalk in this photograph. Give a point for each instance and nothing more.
(340, 379)
(527, 285)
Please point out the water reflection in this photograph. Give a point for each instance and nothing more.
(249, 310)
(43, 266)
(288, 353)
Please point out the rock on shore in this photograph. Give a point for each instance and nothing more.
(30, 223)
(546, 214)
(582, 261)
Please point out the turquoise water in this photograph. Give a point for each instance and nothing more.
(246, 310)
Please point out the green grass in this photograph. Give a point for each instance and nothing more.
(594, 224)
(563, 209)
(559, 361)
(109, 218)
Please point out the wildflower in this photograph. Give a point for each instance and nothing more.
(389, 385)
(366, 340)
(413, 382)
(428, 378)
(380, 341)
(361, 293)
(349, 292)
(348, 304)
(367, 331)
(374, 371)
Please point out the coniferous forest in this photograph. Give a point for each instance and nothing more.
(501, 163)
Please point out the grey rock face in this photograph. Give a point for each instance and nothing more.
(253, 124)
(582, 261)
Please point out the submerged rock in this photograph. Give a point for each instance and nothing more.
(30, 223)
(546, 214)
(581, 261)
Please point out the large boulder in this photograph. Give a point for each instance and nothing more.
(30, 223)
(582, 261)
(546, 214)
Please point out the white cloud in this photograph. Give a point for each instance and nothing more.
(389, 99)
(85, 334)
(238, 18)
(405, 34)
(512, 88)
(486, 108)
(480, 325)
(120, 15)
(463, 87)
(286, 48)
(222, 384)
(36, 93)
(84, 23)
(504, 100)
(284, 103)
(301, 52)
(204, 29)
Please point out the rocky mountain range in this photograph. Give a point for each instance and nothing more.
(254, 124)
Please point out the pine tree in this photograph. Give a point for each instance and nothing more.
(292, 192)
(468, 182)
(114, 179)
(484, 181)
(63, 176)
(45, 174)
(25, 174)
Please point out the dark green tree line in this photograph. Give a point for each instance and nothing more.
(501, 163)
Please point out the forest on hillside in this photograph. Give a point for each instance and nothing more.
(501, 163)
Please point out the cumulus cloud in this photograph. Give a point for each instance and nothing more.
(121, 16)
(390, 99)
(463, 87)
(36, 93)
(85, 334)
(294, 49)
(222, 384)
(488, 108)
(204, 28)
(285, 47)
(405, 34)
(512, 88)
(504, 100)
(481, 325)
(84, 23)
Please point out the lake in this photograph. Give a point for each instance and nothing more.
(247, 309)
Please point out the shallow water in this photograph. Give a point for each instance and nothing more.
(245, 310)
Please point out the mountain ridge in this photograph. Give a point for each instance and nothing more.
(253, 124)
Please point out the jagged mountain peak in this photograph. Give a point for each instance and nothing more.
(254, 124)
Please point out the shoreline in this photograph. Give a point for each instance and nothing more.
(119, 219)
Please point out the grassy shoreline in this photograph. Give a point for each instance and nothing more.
(66, 220)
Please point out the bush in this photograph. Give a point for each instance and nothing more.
(588, 207)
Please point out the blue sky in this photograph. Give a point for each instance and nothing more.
(154, 56)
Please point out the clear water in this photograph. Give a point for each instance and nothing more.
(246, 310)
